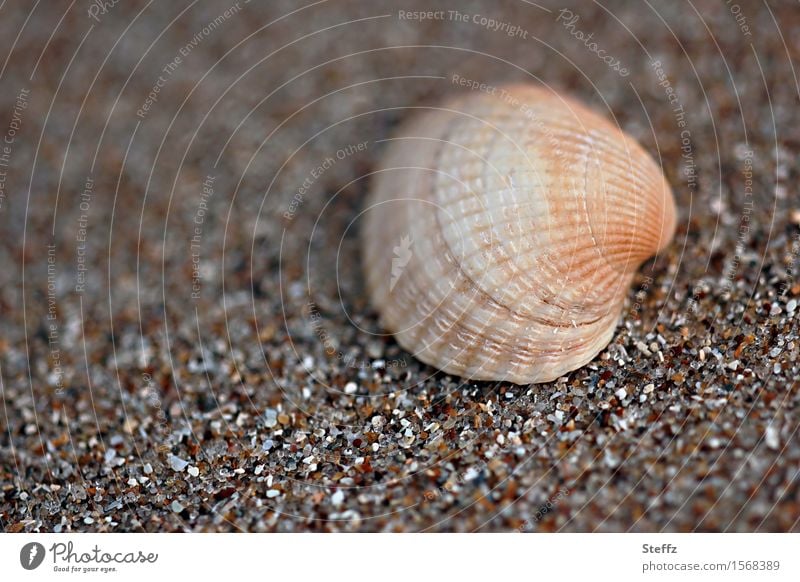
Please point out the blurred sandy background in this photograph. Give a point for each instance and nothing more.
(185, 342)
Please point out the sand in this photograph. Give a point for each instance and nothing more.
(186, 344)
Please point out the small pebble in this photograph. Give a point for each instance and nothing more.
(193, 471)
(771, 437)
(350, 388)
(270, 418)
(177, 463)
(176, 506)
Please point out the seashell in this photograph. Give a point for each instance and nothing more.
(503, 232)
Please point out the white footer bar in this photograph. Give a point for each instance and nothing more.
(387, 557)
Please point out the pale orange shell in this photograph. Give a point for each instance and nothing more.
(503, 232)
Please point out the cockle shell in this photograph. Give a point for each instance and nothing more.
(503, 232)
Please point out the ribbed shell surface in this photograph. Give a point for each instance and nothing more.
(503, 231)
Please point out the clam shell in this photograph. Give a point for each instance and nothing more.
(503, 231)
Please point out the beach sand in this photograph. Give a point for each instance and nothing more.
(186, 343)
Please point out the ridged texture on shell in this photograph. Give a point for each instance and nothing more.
(503, 232)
